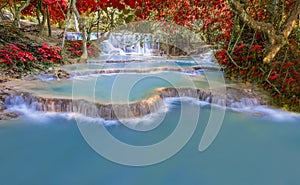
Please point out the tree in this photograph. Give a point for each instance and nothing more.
(66, 27)
(277, 35)
(83, 31)
(86, 15)
(3, 4)
(52, 11)
(16, 8)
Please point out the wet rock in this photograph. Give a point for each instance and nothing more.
(2, 106)
(9, 115)
(62, 74)
(235, 97)
(3, 79)
(30, 78)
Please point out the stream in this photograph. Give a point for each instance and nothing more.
(256, 144)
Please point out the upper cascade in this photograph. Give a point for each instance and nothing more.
(131, 44)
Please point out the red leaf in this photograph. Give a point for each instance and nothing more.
(273, 77)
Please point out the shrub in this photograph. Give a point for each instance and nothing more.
(74, 49)
(51, 54)
(14, 55)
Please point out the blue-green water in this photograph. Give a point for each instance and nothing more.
(102, 86)
(143, 62)
(256, 145)
(149, 64)
(49, 149)
(114, 57)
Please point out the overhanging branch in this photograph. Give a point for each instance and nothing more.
(248, 19)
(291, 21)
(277, 38)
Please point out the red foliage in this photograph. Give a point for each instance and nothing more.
(256, 47)
(57, 9)
(50, 53)
(86, 6)
(93, 51)
(11, 54)
(222, 57)
(287, 65)
(214, 14)
(74, 49)
(288, 81)
(273, 77)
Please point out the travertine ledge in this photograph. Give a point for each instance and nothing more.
(114, 111)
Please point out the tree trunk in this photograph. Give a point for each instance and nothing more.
(98, 22)
(1, 7)
(83, 31)
(288, 27)
(76, 23)
(38, 16)
(41, 23)
(104, 36)
(66, 27)
(89, 36)
(18, 11)
(48, 21)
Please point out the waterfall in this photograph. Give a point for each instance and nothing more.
(133, 44)
(129, 110)
(245, 102)
(106, 111)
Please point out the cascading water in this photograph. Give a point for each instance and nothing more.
(249, 143)
(114, 111)
(131, 44)
(46, 148)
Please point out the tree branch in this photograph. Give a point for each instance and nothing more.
(246, 18)
(292, 19)
(288, 28)
(277, 38)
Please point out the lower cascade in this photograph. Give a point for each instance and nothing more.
(114, 111)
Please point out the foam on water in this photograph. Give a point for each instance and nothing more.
(253, 110)
(17, 104)
(89, 120)
(133, 73)
(272, 113)
(45, 117)
(41, 117)
(246, 106)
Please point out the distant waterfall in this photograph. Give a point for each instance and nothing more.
(135, 44)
